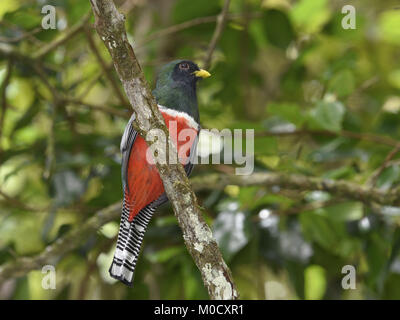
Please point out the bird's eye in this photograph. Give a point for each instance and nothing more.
(184, 66)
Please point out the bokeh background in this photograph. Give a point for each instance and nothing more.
(324, 102)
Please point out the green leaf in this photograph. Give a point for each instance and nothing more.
(287, 111)
(166, 254)
(328, 115)
(394, 78)
(278, 28)
(377, 254)
(388, 177)
(339, 173)
(314, 282)
(346, 211)
(342, 83)
(330, 234)
(310, 15)
(389, 26)
(8, 6)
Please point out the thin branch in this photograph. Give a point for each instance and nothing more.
(17, 203)
(217, 278)
(21, 37)
(376, 174)
(75, 29)
(343, 133)
(57, 96)
(105, 109)
(91, 85)
(50, 164)
(56, 103)
(63, 245)
(188, 24)
(285, 181)
(222, 17)
(29, 35)
(105, 68)
(8, 51)
(3, 98)
(176, 28)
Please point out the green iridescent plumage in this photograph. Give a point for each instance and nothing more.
(177, 90)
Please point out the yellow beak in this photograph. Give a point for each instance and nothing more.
(202, 73)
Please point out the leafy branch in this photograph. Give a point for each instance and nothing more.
(215, 181)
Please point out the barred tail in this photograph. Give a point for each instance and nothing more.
(129, 241)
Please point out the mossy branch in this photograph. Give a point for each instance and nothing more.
(217, 278)
(77, 236)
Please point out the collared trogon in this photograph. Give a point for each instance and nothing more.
(143, 190)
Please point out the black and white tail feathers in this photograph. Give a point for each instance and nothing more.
(130, 234)
(129, 241)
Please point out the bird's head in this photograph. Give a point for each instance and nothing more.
(181, 72)
(176, 86)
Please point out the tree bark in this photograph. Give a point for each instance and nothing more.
(217, 278)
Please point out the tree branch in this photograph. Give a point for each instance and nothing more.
(222, 17)
(71, 32)
(3, 102)
(63, 245)
(375, 175)
(105, 68)
(217, 278)
(188, 24)
(105, 109)
(284, 181)
(338, 188)
(343, 133)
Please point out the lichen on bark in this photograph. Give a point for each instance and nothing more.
(109, 24)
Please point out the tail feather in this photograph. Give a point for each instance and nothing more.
(129, 242)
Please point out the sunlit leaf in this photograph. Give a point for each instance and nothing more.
(328, 115)
(315, 282)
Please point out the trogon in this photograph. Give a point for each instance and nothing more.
(143, 190)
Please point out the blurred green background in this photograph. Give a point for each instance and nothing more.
(279, 66)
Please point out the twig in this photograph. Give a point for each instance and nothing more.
(222, 17)
(51, 149)
(217, 278)
(90, 86)
(62, 246)
(375, 175)
(56, 103)
(21, 37)
(176, 28)
(111, 111)
(29, 35)
(3, 97)
(16, 203)
(91, 268)
(343, 133)
(285, 181)
(186, 25)
(75, 29)
(105, 68)
(37, 67)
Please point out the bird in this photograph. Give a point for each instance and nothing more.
(143, 190)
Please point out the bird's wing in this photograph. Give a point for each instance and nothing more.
(193, 153)
(128, 138)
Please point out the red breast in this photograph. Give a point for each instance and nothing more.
(143, 180)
